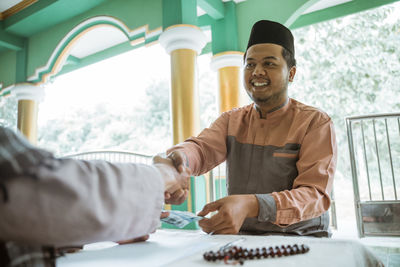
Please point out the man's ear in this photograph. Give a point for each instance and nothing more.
(292, 73)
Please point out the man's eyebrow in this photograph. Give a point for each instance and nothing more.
(270, 57)
(265, 58)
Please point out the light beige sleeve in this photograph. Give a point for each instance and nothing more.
(79, 202)
(310, 196)
(208, 149)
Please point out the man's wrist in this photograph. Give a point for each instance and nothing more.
(253, 206)
(165, 176)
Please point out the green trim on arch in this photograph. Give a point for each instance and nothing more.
(64, 44)
(5, 93)
(107, 53)
(297, 13)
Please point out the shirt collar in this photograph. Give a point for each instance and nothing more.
(276, 111)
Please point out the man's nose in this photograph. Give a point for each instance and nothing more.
(258, 70)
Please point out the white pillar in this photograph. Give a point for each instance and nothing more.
(184, 43)
(228, 65)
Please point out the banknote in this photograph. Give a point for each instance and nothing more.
(181, 218)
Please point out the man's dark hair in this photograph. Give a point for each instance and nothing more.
(289, 58)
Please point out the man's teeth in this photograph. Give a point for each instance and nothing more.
(260, 84)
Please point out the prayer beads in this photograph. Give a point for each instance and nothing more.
(235, 255)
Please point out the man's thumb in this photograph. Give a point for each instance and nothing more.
(213, 206)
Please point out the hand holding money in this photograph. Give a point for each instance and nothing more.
(181, 218)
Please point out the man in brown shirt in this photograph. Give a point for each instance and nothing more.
(280, 154)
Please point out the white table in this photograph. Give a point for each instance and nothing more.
(186, 248)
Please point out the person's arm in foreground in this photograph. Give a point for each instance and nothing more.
(204, 152)
(308, 199)
(71, 202)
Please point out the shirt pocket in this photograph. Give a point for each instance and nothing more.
(285, 153)
(285, 166)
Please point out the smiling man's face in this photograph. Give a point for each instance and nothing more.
(266, 75)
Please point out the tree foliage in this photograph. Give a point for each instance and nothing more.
(349, 66)
(8, 112)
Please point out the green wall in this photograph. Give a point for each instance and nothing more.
(8, 68)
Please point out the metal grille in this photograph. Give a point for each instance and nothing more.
(374, 146)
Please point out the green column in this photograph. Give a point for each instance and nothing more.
(224, 31)
(179, 12)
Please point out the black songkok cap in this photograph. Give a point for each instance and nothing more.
(266, 31)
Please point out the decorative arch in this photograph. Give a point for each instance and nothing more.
(61, 52)
(297, 13)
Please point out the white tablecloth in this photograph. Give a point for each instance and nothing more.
(186, 248)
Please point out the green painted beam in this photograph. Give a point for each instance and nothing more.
(204, 20)
(10, 41)
(224, 31)
(46, 13)
(179, 12)
(214, 8)
(97, 57)
(71, 60)
(18, 18)
(345, 9)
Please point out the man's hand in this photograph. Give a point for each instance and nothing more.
(180, 161)
(164, 214)
(176, 183)
(176, 197)
(232, 210)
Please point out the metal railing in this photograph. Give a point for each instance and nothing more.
(374, 146)
(112, 156)
(216, 178)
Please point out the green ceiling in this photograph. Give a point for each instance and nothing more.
(29, 37)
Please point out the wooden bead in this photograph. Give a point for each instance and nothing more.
(236, 254)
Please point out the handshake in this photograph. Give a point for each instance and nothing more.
(175, 172)
(232, 210)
